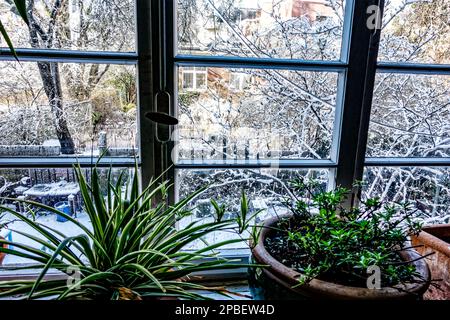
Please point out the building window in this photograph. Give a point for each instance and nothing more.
(238, 81)
(194, 78)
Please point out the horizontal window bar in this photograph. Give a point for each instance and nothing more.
(64, 162)
(253, 164)
(53, 55)
(416, 68)
(241, 62)
(407, 162)
(236, 255)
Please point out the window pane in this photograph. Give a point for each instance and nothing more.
(200, 81)
(410, 116)
(99, 25)
(280, 114)
(416, 31)
(291, 29)
(428, 188)
(51, 109)
(188, 80)
(236, 81)
(265, 189)
(53, 187)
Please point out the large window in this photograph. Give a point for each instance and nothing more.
(264, 91)
(272, 105)
(73, 95)
(408, 149)
(340, 88)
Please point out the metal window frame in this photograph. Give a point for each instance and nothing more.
(357, 70)
(359, 90)
(410, 68)
(340, 67)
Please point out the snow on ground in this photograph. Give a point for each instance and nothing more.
(67, 228)
(220, 236)
(70, 229)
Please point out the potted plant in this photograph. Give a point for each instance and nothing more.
(131, 250)
(323, 250)
(436, 239)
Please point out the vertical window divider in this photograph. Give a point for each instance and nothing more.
(146, 87)
(358, 92)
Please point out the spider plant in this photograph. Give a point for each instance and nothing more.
(131, 250)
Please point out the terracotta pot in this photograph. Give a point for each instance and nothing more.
(2, 254)
(284, 277)
(436, 239)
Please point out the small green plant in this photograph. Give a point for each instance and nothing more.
(245, 217)
(130, 250)
(324, 239)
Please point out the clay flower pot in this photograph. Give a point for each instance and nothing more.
(2, 254)
(436, 239)
(278, 280)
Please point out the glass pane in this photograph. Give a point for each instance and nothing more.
(266, 189)
(98, 25)
(53, 187)
(291, 29)
(51, 109)
(416, 31)
(201, 80)
(236, 81)
(428, 188)
(279, 114)
(188, 80)
(410, 116)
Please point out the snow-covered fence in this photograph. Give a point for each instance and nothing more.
(30, 150)
(49, 148)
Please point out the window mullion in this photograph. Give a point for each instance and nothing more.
(358, 92)
(145, 92)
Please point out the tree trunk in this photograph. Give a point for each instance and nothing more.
(49, 72)
(51, 80)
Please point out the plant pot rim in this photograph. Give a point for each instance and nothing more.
(427, 236)
(318, 287)
(2, 254)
